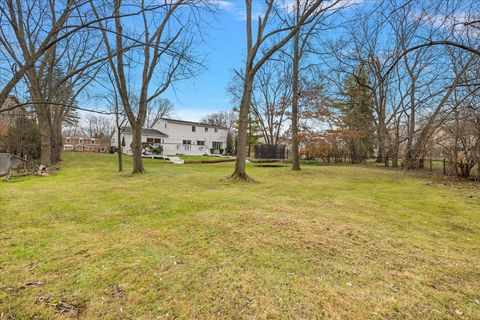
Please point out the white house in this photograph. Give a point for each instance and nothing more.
(179, 137)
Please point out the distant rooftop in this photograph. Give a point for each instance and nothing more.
(152, 132)
(193, 123)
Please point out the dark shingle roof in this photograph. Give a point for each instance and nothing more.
(152, 132)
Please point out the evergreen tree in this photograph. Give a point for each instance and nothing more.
(357, 115)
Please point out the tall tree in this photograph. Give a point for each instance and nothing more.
(55, 60)
(271, 98)
(274, 31)
(164, 55)
(301, 46)
(357, 116)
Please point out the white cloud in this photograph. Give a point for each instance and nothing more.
(222, 4)
(289, 7)
(258, 10)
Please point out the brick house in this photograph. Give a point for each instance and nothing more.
(85, 144)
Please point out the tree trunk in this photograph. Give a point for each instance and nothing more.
(384, 142)
(136, 146)
(120, 161)
(120, 147)
(56, 143)
(380, 151)
(396, 145)
(409, 154)
(45, 135)
(240, 171)
(410, 157)
(295, 95)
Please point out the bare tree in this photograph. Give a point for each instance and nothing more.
(159, 108)
(165, 56)
(18, 33)
(225, 119)
(301, 46)
(53, 60)
(273, 32)
(97, 126)
(271, 97)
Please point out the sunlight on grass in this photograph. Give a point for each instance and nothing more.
(328, 242)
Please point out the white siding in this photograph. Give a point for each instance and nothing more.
(177, 133)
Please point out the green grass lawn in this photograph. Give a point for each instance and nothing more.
(199, 159)
(328, 242)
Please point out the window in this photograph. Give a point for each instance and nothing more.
(149, 140)
(216, 145)
(216, 130)
(81, 140)
(194, 128)
(158, 140)
(187, 141)
(68, 140)
(206, 129)
(200, 143)
(93, 141)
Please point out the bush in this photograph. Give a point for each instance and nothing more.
(157, 149)
(151, 148)
(22, 139)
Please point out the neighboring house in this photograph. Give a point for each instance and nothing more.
(179, 137)
(8, 118)
(85, 144)
(148, 136)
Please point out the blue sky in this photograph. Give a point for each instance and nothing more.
(205, 94)
(225, 47)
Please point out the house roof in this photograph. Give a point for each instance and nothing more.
(12, 101)
(8, 116)
(193, 123)
(145, 131)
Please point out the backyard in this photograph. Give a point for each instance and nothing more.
(332, 242)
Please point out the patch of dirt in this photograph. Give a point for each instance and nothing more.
(451, 182)
(457, 227)
(115, 291)
(21, 287)
(62, 307)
